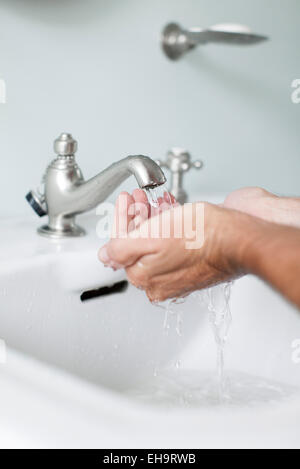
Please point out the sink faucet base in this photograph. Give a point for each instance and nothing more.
(73, 231)
(61, 227)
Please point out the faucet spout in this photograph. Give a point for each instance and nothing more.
(87, 195)
(67, 194)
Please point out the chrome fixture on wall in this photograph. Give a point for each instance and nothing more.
(176, 41)
(179, 162)
(66, 194)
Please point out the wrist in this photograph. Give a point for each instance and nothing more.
(287, 211)
(238, 240)
(226, 240)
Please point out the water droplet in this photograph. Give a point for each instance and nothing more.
(177, 364)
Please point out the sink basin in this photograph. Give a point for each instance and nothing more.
(94, 359)
(107, 340)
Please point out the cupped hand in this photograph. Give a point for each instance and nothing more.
(132, 210)
(204, 254)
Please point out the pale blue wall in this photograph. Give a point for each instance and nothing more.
(94, 68)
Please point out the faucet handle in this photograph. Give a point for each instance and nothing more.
(65, 145)
(178, 162)
(37, 203)
(197, 164)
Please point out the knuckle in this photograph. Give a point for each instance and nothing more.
(139, 277)
(155, 294)
(237, 197)
(114, 252)
(258, 192)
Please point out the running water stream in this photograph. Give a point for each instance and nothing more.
(152, 195)
(220, 319)
(216, 300)
(159, 197)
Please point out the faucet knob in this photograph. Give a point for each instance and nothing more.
(37, 203)
(65, 145)
(178, 162)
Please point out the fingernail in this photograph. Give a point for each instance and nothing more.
(103, 255)
(115, 266)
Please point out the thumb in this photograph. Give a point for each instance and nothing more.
(125, 252)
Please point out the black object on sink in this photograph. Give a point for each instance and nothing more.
(118, 287)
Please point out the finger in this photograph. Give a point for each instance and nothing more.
(125, 252)
(139, 196)
(141, 215)
(163, 204)
(149, 268)
(170, 199)
(123, 215)
(158, 207)
(157, 287)
(142, 208)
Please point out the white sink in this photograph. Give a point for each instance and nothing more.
(114, 340)
(74, 364)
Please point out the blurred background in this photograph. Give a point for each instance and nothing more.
(95, 68)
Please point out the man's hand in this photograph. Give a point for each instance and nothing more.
(235, 244)
(167, 267)
(262, 204)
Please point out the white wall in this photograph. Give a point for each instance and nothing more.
(95, 68)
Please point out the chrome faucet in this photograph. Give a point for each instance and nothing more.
(66, 194)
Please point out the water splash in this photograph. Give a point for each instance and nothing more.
(217, 301)
(172, 317)
(170, 313)
(152, 195)
(168, 199)
(177, 364)
(220, 319)
(196, 389)
(159, 197)
(179, 323)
